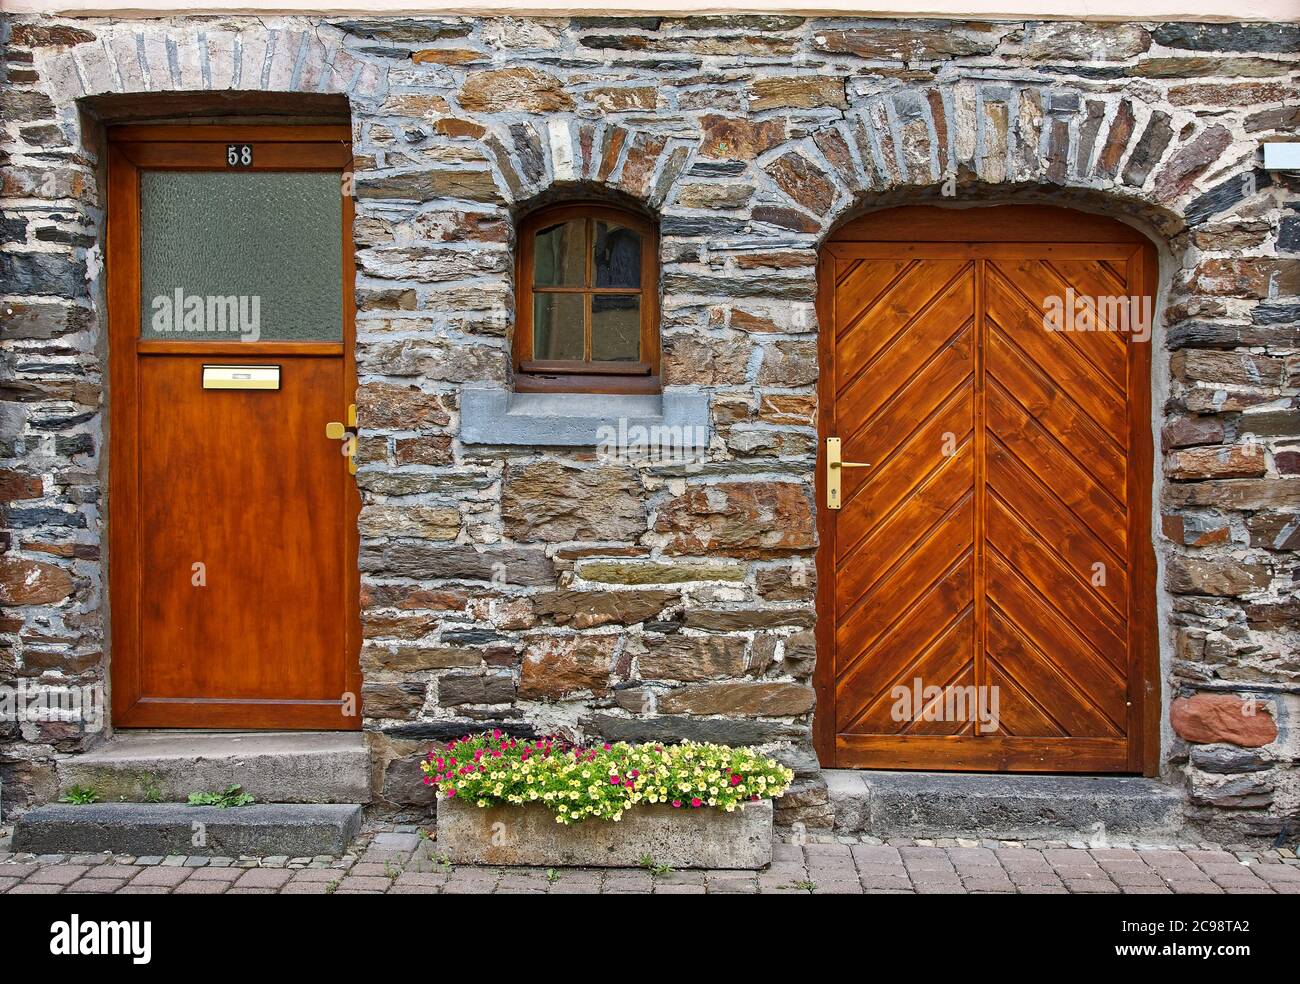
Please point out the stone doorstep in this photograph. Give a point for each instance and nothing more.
(161, 829)
(1002, 807)
(272, 767)
(528, 835)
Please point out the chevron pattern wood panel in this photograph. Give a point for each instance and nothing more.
(984, 590)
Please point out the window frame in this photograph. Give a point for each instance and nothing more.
(565, 376)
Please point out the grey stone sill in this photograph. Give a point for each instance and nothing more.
(499, 416)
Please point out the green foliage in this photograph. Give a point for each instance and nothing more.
(150, 788)
(232, 795)
(577, 783)
(79, 795)
(653, 866)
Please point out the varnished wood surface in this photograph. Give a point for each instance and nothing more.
(241, 482)
(1008, 462)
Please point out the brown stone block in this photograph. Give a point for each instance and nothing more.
(742, 697)
(387, 407)
(587, 609)
(1235, 461)
(1209, 718)
(797, 92)
(28, 582)
(727, 138)
(553, 502)
(564, 665)
(742, 519)
(693, 658)
(1220, 576)
(525, 89)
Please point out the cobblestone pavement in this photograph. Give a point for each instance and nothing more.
(403, 861)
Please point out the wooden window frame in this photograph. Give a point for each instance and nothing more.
(557, 376)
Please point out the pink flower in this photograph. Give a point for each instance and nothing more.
(450, 792)
(677, 804)
(629, 784)
(607, 746)
(613, 780)
(736, 780)
(696, 802)
(496, 732)
(634, 773)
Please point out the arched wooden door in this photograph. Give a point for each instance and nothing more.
(985, 589)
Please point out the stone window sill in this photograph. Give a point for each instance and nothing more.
(499, 416)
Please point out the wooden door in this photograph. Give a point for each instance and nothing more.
(985, 589)
(233, 516)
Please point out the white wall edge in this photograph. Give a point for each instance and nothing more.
(1272, 11)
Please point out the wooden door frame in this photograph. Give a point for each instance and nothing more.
(994, 223)
(136, 147)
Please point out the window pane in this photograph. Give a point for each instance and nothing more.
(557, 255)
(251, 255)
(615, 328)
(618, 255)
(557, 326)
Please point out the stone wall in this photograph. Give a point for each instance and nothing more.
(546, 589)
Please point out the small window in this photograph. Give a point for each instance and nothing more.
(588, 298)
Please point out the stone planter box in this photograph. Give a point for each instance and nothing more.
(529, 835)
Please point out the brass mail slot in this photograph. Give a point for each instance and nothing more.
(241, 377)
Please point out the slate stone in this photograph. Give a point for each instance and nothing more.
(1279, 38)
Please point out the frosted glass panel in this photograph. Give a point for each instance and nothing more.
(256, 256)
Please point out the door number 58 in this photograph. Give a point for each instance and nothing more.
(239, 155)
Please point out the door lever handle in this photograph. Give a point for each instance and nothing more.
(835, 465)
(336, 430)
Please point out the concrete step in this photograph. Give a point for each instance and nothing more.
(144, 829)
(271, 766)
(1005, 807)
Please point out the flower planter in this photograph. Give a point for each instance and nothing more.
(529, 835)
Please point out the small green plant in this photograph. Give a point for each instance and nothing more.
(232, 795)
(805, 886)
(552, 875)
(331, 886)
(391, 871)
(653, 866)
(79, 796)
(150, 789)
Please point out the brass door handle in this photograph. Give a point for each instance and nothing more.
(835, 465)
(336, 430)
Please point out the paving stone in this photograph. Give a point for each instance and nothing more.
(272, 878)
(159, 875)
(57, 874)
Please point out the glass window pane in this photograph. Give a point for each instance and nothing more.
(249, 255)
(617, 252)
(557, 326)
(615, 327)
(557, 255)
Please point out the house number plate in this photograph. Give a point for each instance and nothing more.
(239, 155)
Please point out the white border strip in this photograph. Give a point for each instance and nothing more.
(1271, 11)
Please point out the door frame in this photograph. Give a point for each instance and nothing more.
(201, 147)
(998, 223)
